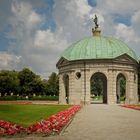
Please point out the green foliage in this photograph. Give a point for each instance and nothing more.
(14, 97)
(122, 98)
(26, 82)
(8, 82)
(8, 98)
(26, 115)
(53, 84)
(122, 87)
(97, 86)
(51, 98)
(139, 82)
(97, 98)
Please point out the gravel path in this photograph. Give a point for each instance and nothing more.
(101, 122)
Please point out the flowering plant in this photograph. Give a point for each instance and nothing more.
(7, 128)
(53, 124)
(136, 107)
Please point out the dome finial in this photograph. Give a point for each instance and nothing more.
(96, 31)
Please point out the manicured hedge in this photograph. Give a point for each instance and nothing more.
(8, 98)
(14, 97)
(54, 98)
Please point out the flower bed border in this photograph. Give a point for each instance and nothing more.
(131, 107)
(52, 125)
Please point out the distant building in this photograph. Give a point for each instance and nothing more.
(97, 56)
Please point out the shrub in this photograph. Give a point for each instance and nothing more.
(122, 98)
(21, 98)
(53, 98)
(8, 98)
(14, 97)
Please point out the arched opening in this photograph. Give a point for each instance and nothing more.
(120, 88)
(66, 86)
(98, 88)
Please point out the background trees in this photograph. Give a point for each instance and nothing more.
(9, 82)
(139, 82)
(97, 87)
(26, 82)
(53, 84)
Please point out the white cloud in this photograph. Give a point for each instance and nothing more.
(80, 8)
(8, 61)
(136, 22)
(24, 18)
(73, 18)
(122, 7)
(46, 50)
(127, 33)
(48, 40)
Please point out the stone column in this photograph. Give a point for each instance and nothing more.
(74, 89)
(88, 86)
(136, 88)
(111, 87)
(83, 95)
(85, 86)
(77, 88)
(131, 89)
(71, 87)
(62, 91)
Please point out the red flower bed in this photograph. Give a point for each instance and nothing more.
(7, 128)
(53, 124)
(132, 106)
(41, 127)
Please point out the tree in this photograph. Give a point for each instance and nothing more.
(26, 79)
(46, 90)
(122, 87)
(53, 84)
(26, 82)
(38, 86)
(9, 82)
(97, 86)
(139, 82)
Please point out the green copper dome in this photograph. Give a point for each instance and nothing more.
(98, 47)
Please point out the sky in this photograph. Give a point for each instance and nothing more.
(34, 33)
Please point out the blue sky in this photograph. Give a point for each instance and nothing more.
(34, 33)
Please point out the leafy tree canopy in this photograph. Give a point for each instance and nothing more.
(26, 82)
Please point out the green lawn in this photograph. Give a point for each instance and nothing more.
(26, 115)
